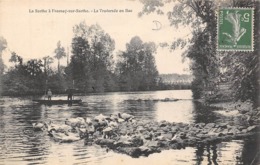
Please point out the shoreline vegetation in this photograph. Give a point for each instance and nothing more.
(79, 93)
(41, 92)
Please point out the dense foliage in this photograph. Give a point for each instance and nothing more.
(240, 69)
(92, 59)
(136, 67)
(243, 67)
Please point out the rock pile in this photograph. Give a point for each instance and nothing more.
(122, 133)
(252, 116)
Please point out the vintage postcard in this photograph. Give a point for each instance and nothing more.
(126, 82)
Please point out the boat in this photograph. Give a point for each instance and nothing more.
(53, 102)
(60, 101)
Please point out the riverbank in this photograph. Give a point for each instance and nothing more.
(238, 112)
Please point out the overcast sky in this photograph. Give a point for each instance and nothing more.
(35, 35)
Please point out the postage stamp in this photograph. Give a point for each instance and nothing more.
(235, 29)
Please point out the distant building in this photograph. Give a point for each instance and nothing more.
(176, 78)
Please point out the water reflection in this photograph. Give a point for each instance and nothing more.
(180, 111)
(250, 151)
(19, 144)
(222, 153)
(204, 114)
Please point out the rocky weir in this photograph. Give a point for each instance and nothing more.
(124, 134)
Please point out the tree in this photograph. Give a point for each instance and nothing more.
(24, 78)
(56, 81)
(59, 54)
(29, 77)
(3, 46)
(200, 16)
(16, 59)
(136, 66)
(201, 47)
(47, 62)
(242, 68)
(92, 58)
(34, 67)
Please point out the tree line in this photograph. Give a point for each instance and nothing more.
(91, 68)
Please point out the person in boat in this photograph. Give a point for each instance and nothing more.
(70, 94)
(49, 94)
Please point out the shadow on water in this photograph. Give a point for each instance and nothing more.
(204, 114)
(251, 150)
(239, 152)
(207, 153)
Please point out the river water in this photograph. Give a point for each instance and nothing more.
(19, 144)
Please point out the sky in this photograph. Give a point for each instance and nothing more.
(34, 34)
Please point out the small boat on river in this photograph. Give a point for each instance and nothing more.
(54, 102)
(69, 101)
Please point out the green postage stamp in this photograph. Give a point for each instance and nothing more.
(235, 29)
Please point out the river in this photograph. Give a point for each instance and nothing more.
(19, 144)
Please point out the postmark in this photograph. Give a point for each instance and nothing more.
(235, 29)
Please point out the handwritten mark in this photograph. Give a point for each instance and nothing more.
(158, 25)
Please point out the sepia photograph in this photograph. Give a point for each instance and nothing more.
(129, 82)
